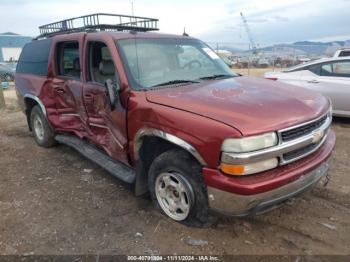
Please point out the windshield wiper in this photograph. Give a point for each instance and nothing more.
(215, 77)
(173, 82)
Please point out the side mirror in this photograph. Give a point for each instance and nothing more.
(112, 89)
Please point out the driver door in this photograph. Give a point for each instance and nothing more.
(106, 122)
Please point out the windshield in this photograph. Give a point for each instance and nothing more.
(163, 62)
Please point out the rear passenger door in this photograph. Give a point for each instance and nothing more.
(332, 79)
(67, 84)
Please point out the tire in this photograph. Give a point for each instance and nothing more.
(43, 134)
(177, 188)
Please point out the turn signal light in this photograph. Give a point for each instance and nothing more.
(247, 169)
(235, 170)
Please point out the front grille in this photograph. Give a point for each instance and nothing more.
(302, 130)
(299, 152)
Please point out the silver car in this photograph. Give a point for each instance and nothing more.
(329, 76)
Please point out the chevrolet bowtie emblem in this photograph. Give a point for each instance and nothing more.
(317, 135)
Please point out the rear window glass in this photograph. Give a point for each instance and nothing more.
(34, 57)
(344, 53)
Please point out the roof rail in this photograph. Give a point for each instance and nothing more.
(99, 22)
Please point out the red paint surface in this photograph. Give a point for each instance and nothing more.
(252, 105)
(201, 114)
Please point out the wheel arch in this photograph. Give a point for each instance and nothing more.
(30, 101)
(151, 132)
(144, 140)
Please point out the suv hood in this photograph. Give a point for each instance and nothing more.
(251, 105)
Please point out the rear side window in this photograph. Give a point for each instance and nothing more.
(34, 57)
(336, 69)
(344, 53)
(68, 59)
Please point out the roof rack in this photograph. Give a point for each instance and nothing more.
(99, 22)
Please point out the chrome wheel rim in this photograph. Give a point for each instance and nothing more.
(174, 195)
(38, 128)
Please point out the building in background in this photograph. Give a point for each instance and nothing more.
(11, 45)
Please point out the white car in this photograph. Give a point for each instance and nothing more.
(342, 52)
(329, 76)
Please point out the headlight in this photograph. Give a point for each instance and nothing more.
(248, 144)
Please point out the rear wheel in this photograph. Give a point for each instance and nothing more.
(178, 190)
(43, 134)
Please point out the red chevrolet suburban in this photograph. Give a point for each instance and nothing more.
(166, 114)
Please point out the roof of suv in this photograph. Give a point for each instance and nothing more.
(125, 35)
(122, 35)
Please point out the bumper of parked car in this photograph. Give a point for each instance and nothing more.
(255, 194)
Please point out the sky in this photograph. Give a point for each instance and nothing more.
(270, 21)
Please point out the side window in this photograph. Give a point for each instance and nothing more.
(68, 59)
(344, 53)
(100, 66)
(315, 69)
(326, 69)
(342, 69)
(34, 57)
(336, 69)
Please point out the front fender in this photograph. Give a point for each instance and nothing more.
(200, 136)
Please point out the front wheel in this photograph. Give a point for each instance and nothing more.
(178, 190)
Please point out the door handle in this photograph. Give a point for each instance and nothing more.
(314, 81)
(59, 90)
(89, 98)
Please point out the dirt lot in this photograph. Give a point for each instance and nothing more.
(53, 201)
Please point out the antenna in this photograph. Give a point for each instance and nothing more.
(184, 33)
(132, 7)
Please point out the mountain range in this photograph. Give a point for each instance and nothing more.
(300, 47)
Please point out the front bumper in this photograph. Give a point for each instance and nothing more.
(261, 192)
(241, 205)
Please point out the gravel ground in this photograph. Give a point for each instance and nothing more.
(53, 201)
